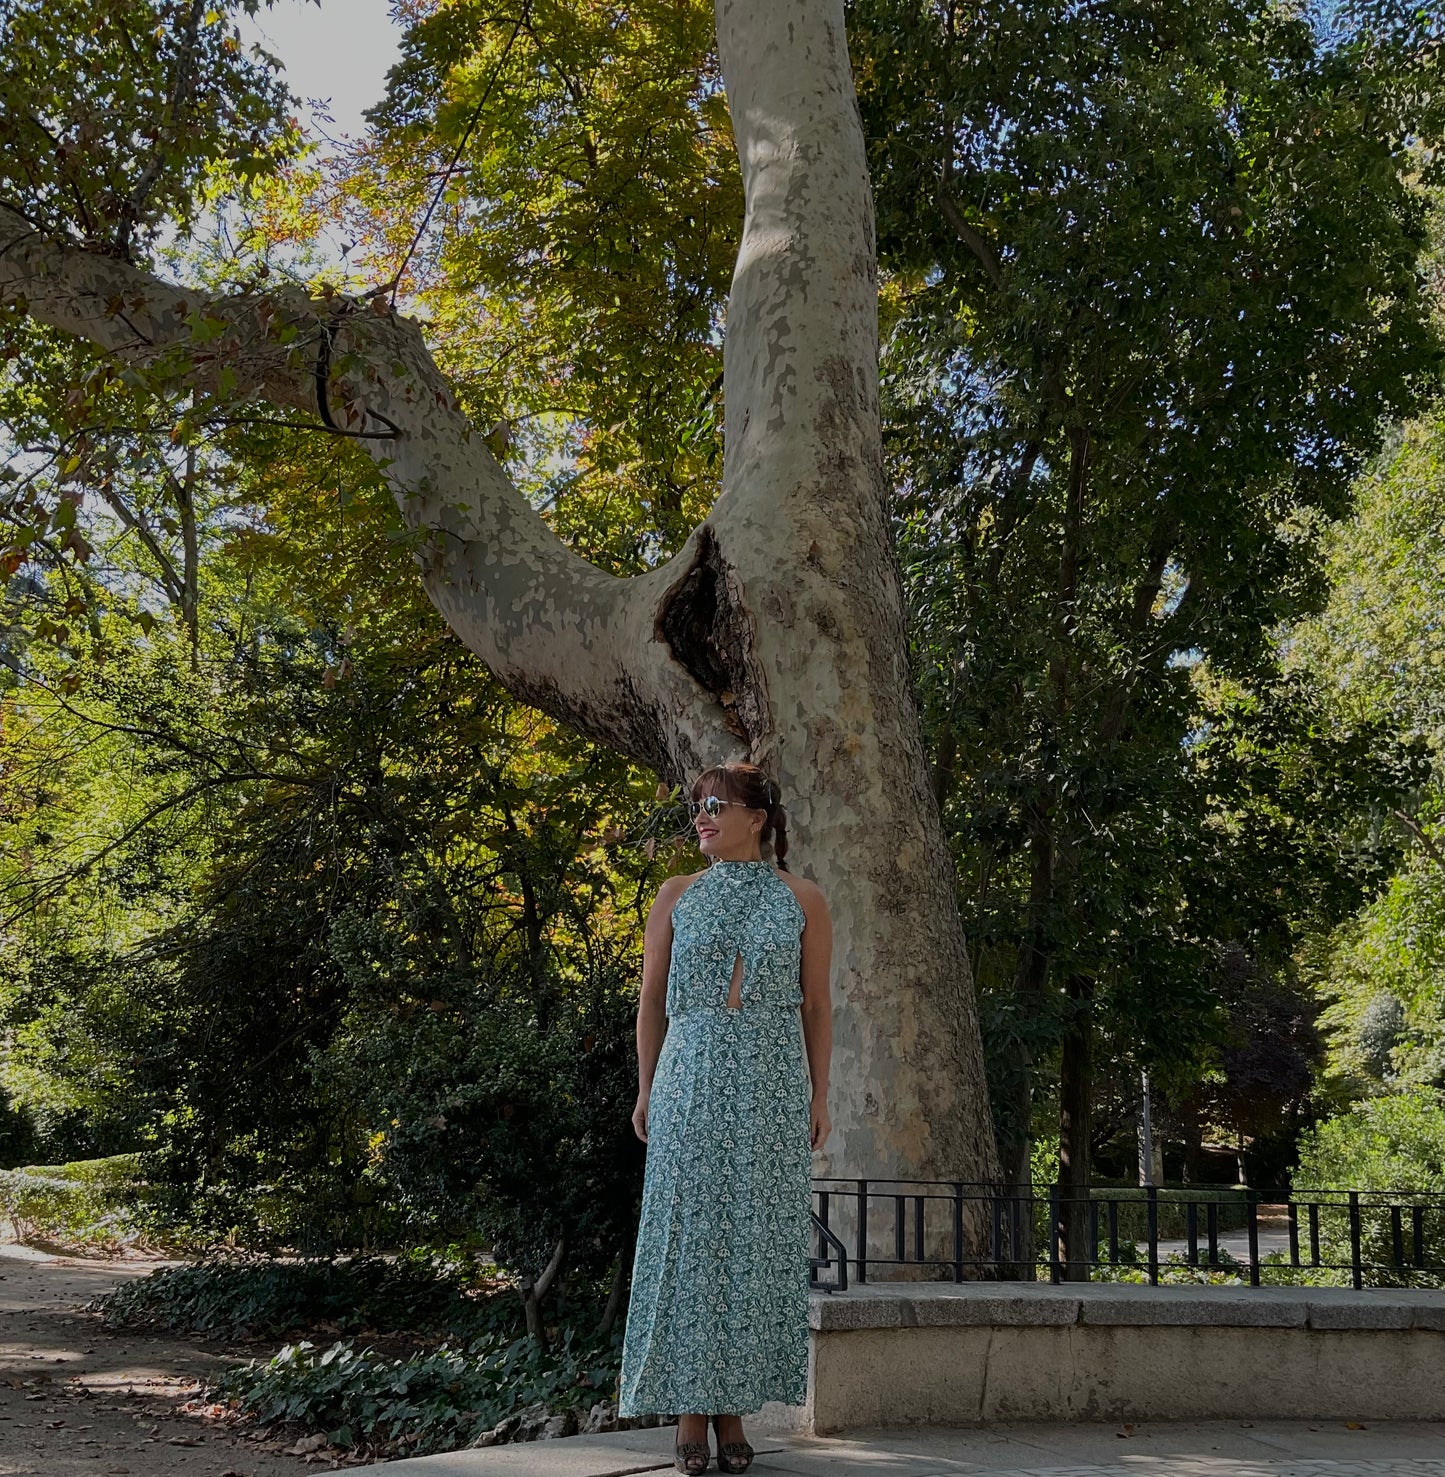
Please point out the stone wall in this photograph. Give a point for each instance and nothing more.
(894, 1354)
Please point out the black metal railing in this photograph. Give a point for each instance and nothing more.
(962, 1231)
(831, 1254)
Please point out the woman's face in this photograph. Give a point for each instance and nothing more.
(733, 830)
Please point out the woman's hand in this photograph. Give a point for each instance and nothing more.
(639, 1117)
(822, 1123)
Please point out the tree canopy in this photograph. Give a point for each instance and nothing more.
(1159, 283)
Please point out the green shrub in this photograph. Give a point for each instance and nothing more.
(430, 1402)
(484, 1369)
(250, 1296)
(1391, 1145)
(1394, 1142)
(85, 1202)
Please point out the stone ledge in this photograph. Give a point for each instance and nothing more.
(935, 1353)
(1103, 1304)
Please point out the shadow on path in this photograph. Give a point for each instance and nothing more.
(79, 1400)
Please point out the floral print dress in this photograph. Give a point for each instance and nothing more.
(718, 1317)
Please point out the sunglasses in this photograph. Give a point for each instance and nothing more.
(710, 806)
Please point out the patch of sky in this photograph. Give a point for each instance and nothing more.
(652, 549)
(336, 55)
(1173, 586)
(1196, 736)
(1330, 21)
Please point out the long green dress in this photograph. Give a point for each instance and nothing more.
(718, 1317)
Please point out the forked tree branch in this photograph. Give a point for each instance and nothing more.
(554, 629)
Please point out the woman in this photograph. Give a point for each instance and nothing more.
(735, 970)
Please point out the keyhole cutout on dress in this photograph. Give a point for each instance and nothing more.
(735, 990)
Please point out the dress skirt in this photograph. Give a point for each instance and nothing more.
(718, 1317)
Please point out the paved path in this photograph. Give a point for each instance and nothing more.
(1236, 1243)
(1261, 1449)
(77, 1400)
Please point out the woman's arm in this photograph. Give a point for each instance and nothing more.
(817, 969)
(652, 999)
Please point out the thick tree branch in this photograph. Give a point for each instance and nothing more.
(971, 238)
(557, 632)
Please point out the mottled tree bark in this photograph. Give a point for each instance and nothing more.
(776, 633)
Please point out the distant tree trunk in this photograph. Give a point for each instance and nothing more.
(616, 1292)
(1030, 979)
(1075, 1104)
(776, 633)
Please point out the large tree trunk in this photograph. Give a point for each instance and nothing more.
(814, 591)
(776, 633)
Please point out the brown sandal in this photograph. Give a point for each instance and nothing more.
(690, 1457)
(732, 1456)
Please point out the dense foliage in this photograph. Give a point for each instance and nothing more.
(435, 1400)
(457, 1360)
(315, 919)
(250, 1296)
(1157, 286)
(91, 1202)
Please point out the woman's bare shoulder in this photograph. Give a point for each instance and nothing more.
(807, 892)
(673, 888)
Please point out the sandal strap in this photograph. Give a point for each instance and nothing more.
(731, 1452)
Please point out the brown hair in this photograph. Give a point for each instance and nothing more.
(746, 784)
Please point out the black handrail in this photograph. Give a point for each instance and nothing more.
(968, 1231)
(838, 1259)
